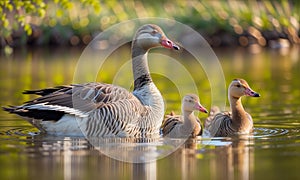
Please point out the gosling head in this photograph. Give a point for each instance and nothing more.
(151, 35)
(191, 102)
(239, 88)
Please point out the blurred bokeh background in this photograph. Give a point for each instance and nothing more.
(235, 23)
(258, 40)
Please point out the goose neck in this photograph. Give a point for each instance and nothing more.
(189, 119)
(238, 112)
(140, 67)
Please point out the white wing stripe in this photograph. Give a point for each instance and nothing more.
(45, 106)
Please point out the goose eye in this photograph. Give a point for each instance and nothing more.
(238, 85)
(154, 31)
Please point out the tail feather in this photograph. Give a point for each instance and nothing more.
(9, 109)
(43, 92)
(35, 113)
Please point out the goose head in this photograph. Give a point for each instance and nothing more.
(239, 88)
(191, 102)
(150, 36)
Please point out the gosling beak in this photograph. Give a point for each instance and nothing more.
(200, 108)
(167, 43)
(250, 92)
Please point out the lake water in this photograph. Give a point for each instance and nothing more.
(272, 152)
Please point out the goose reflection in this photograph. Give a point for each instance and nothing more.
(77, 158)
(230, 158)
(234, 159)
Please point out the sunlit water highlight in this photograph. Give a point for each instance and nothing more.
(273, 148)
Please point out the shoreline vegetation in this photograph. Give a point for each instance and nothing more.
(258, 23)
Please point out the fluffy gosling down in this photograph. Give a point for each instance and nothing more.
(187, 124)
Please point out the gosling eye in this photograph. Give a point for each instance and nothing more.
(238, 85)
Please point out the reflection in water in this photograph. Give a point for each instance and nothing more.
(144, 170)
(243, 159)
(230, 159)
(273, 148)
(76, 158)
(188, 159)
(134, 150)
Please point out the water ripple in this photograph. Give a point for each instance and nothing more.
(19, 132)
(262, 132)
(276, 130)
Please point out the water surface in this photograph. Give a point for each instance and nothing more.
(272, 152)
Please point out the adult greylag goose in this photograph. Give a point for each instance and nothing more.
(104, 110)
(187, 124)
(238, 121)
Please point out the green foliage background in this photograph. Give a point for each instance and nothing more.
(75, 22)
